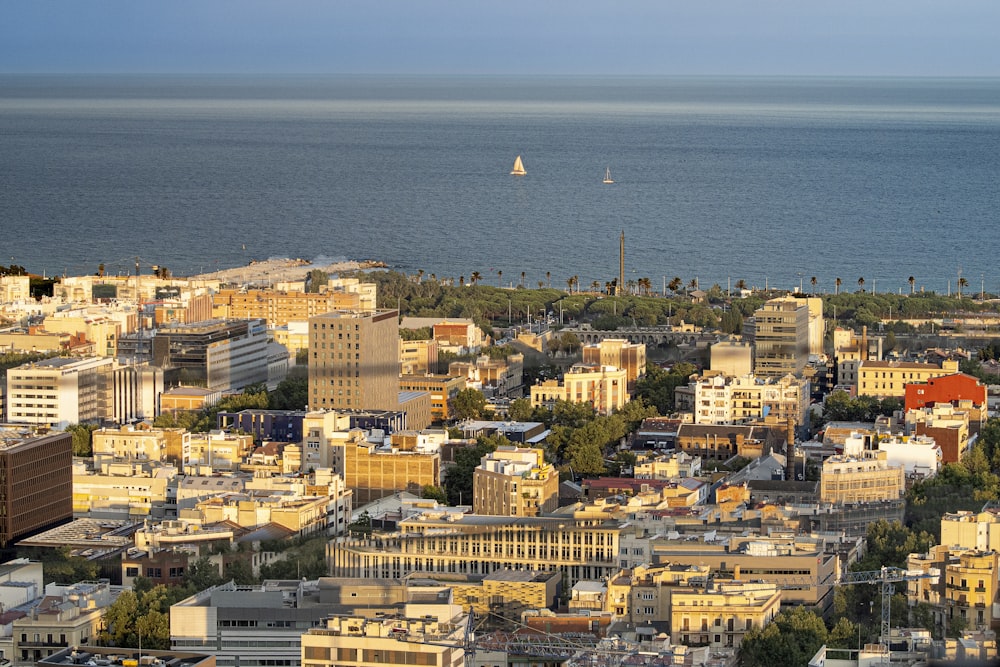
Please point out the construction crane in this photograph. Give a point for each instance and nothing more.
(888, 577)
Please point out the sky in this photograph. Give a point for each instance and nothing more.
(509, 37)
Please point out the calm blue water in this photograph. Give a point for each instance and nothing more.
(760, 179)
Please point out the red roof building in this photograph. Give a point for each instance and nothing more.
(945, 389)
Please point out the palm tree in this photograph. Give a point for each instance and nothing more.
(576, 281)
(434, 278)
(861, 284)
(475, 277)
(569, 284)
(813, 281)
(461, 281)
(548, 278)
(541, 284)
(630, 285)
(837, 284)
(741, 284)
(522, 278)
(499, 278)
(420, 275)
(962, 282)
(645, 284)
(911, 280)
(693, 284)
(595, 285)
(675, 284)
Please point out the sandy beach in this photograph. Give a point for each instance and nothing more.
(269, 271)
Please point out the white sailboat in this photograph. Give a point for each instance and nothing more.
(607, 176)
(518, 169)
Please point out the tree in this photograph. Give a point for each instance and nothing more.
(499, 278)
(657, 386)
(741, 284)
(475, 277)
(468, 404)
(911, 280)
(791, 639)
(813, 281)
(962, 282)
(315, 280)
(522, 279)
(861, 284)
(520, 410)
(837, 284)
(458, 478)
(82, 438)
(548, 279)
(434, 492)
(675, 284)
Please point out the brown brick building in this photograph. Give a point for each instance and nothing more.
(36, 484)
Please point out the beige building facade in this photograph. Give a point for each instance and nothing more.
(354, 360)
(603, 387)
(514, 481)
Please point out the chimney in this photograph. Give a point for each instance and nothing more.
(790, 450)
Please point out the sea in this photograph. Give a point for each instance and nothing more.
(774, 181)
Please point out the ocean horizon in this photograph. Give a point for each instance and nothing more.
(772, 180)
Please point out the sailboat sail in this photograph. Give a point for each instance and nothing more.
(518, 169)
(607, 176)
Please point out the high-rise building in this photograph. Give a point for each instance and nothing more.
(354, 360)
(619, 353)
(220, 355)
(60, 391)
(781, 337)
(36, 483)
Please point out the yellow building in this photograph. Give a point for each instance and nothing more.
(508, 588)
(279, 308)
(619, 353)
(860, 477)
(603, 387)
(965, 594)
(888, 379)
(418, 357)
(442, 390)
(418, 637)
(722, 614)
(374, 470)
(132, 490)
(219, 451)
(303, 515)
(513, 481)
(480, 545)
(642, 594)
(971, 530)
(141, 442)
(100, 331)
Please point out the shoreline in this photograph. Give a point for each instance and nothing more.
(276, 270)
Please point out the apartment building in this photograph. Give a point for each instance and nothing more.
(67, 615)
(721, 614)
(441, 388)
(354, 360)
(418, 357)
(888, 379)
(603, 387)
(781, 337)
(514, 481)
(60, 391)
(718, 399)
(949, 426)
(619, 353)
(132, 490)
(496, 378)
(278, 308)
(860, 476)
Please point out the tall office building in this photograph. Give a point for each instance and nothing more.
(354, 360)
(36, 483)
(781, 337)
